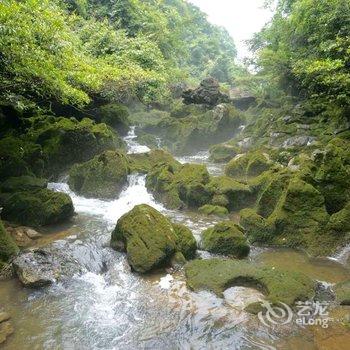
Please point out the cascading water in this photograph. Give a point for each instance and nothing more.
(109, 307)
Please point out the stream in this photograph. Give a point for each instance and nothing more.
(109, 307)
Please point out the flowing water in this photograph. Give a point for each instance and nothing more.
(106, 306)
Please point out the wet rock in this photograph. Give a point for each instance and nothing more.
(185, 241)
(6, 329)
(298, 141)
(22, 235)
(207, 93)
(103, 176)
(4, 316)
(116, 116)
(149, 239)
(41, 267)
(226, 238)
(217, 275)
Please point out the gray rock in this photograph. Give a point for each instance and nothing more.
(208, 93)
(298, 141)
(41, 267)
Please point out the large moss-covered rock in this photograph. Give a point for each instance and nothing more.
(177, 186)
(248, 164)
(222, 153)
(330, 174)
(68, 141)
(226, 238)
(340, 222)
(190, 181)
(342, 292)
(103, 176)
(22, 183)
(8, 247)
(146, 162)
(217, 275)
(185, 241)
(230, 193)
(20, 157)
(116, 116)
(150, 239)
(256, 227)
(36, 208)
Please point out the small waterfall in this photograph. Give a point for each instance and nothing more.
(135, 193)
(133, 146)
(342, 256)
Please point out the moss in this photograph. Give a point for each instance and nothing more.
(146, 162)
(185, 241)
(222, 153)
(68, 141)
(19, 157)
(271, 191)
(116, 116)
(236, 193)
(148, 140)
(330, 175)
(220, 200)
(226, 238)
(103, 176)
(22, 183)
(248, 164)
(38, 207)
(340, 221)
(217, 275)
(342, 292)
(8, 247)
(256, 227)
(190, 181)
(254, 308)
(217, 210)
(146, 236)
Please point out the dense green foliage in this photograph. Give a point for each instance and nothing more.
(72, 51)
(305, 50)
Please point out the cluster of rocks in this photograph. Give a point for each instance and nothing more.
(6, 328)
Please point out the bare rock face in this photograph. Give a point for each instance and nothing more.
(208, 93)
(6, 328)
(23, 236)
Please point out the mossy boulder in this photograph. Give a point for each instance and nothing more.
(103, 176)
(22, 183)
(248, 164)
(340, 222)
(217, 210)
(146, 162)
(150, 239)
(216, 275)
(342, 292)
(19, 157)
(116, 116)
(8, 247)
(256, 227)
(226, 238)
(65, 142)
(190, 181)
(222, 153)
(230, 193)
(37, 207)
(330, 174)
(185, 241)
(148, 140)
